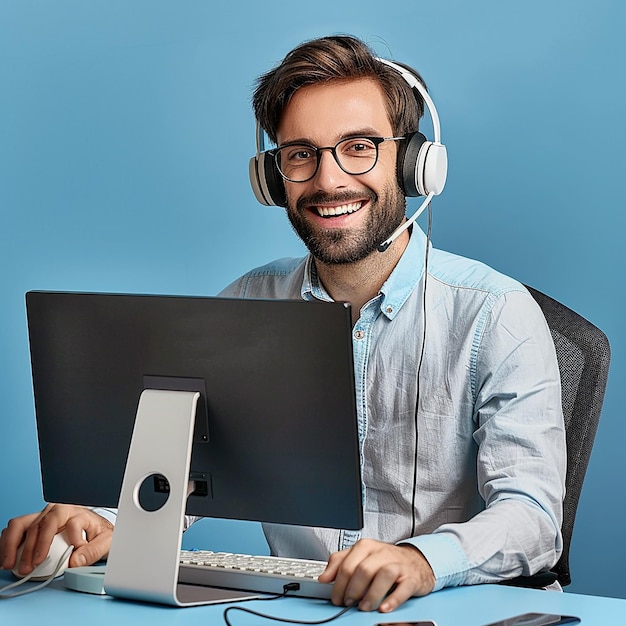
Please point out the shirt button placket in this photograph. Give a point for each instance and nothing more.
(359, 347)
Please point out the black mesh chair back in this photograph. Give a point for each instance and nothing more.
(583, 353)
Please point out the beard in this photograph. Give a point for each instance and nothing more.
(335, 246)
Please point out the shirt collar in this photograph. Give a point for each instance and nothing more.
(312, 288)
(397, 288)
(406, 274)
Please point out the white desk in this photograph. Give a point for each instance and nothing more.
(465, 606)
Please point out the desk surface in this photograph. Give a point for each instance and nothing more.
(464, 606)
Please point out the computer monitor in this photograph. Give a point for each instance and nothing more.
(275, 437)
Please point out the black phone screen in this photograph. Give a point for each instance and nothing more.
(537, 619)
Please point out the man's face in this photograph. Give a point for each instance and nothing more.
(340, 217)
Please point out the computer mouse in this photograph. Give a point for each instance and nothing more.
(59, 550)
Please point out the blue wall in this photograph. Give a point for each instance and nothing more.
(125, 133)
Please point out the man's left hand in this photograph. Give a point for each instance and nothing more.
(377, 575)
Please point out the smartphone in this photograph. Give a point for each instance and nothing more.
(420, 623)
(537, 619)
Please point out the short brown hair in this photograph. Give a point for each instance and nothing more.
(332, 58)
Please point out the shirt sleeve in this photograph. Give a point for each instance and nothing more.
(521, 457)
(111, 516)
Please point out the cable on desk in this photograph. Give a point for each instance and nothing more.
(41, 585)
(286, 590)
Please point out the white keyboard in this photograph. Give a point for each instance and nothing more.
(262, 574)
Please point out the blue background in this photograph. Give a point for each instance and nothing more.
(125, 134)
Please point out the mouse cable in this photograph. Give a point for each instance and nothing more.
(41, 585)
(286, 590)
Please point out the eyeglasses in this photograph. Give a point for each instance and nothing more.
(298, 162)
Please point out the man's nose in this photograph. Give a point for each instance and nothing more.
(329, 174)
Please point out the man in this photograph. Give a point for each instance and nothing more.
(462, 437)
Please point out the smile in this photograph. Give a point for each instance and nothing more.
(342, 209)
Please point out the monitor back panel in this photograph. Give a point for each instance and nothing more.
(276, 434)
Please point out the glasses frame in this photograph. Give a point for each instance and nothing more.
(333, 150)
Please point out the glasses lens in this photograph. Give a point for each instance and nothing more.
(356, 155)
(297, 162)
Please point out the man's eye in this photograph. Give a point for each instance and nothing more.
(359, 147)
(300, 154)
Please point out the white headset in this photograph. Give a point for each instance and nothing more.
(422, 167)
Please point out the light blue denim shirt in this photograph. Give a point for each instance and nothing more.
(490, 438)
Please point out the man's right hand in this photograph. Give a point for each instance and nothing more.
(88, 532)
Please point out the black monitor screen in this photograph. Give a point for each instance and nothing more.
(275, 436)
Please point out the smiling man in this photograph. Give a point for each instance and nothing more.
(345, 206)
(458, 392)
(350, 201)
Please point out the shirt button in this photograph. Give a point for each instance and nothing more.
(389, 309)
(359, 334)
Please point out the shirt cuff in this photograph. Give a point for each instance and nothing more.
(445, 556)
(109, 514)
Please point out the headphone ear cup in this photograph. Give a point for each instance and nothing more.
(432, 168)
(266, 181)
(409, 163)
(274, 181)
(253, 173)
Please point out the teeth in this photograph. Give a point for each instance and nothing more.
(328, 211)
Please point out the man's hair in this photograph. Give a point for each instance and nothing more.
(334, 58)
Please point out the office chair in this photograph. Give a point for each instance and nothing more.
(583, 354)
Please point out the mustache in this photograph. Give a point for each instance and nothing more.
(342, 197)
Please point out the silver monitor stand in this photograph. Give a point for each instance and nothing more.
(143, 562)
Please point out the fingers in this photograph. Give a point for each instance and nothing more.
(355, 577)
(83, 526)
(98, 532)
(400, 594)
(38, 536)
(91, 552)
(376, 575)
(89, 533)
(334, 563)
(12, 537)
